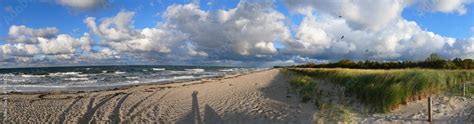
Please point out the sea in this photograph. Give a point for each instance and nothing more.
(93, 78)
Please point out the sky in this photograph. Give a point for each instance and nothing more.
(231, 32)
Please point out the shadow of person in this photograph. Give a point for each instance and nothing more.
(210, 116)
(195, 108)
(194, 117)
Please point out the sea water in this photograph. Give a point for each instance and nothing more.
(89, 78)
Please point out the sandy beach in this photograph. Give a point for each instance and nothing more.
(258, 97)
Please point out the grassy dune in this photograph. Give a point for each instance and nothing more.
(385, 90)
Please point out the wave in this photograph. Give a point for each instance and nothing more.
(158, 69)
(119, 72)
(195, 70)
(110, 78)
(76, 79)
(132, 78)
(228, 70)
(32, 76)
(14, 80)
(64, 73)
(183, 77)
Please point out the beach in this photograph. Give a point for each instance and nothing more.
(254, 97)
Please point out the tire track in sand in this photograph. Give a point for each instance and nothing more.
(147, 107)
(86, 118)
(130, 111)
(62, 117)
(115, 116)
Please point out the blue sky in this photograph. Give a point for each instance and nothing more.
(46, 14)
(70, 20)
(453, 25)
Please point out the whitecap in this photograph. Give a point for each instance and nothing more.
(195, 70)
(64, 73)
(227, 70)
(76, 79)
(32, 76)
(158, 69)
(132, 78)
(119, 72)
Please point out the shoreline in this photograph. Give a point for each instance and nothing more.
(127, 86)
(229, 97)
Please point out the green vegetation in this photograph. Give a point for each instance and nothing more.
(305, 86)
(458, 90)
(385, 90)
(333, 113)
(434, 61)
(310, 91)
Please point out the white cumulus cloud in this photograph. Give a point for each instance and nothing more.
(82, 4)
(365, 32)
(27, 43)
(248, 30)
(119, 34)
(360, 14)
(445, 6)
(23, 34)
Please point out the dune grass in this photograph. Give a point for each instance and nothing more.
(385, 90)
(333, 113)
(458, 90)
(304, 86)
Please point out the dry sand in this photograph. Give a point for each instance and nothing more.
(259, 97)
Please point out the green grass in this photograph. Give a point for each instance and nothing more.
(305, 86)
(387, 89)
(333, 113)
(458, 90)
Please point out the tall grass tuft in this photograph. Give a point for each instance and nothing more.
(305, 86)
(387, 89)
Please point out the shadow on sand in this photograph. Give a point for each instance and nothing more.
(212, 117)
(194, 117)
(277, 91)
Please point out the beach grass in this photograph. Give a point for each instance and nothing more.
(459, 90)
(304, 86)
(385, 90)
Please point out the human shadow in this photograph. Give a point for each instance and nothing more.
(277, 90)
(212, 117)
(194, 117)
